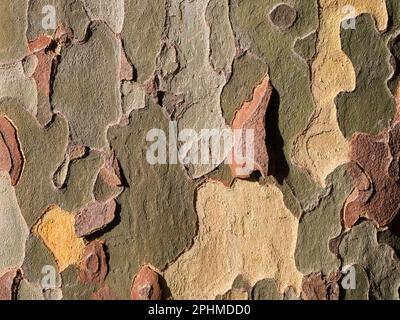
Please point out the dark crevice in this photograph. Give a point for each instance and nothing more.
(278, 165)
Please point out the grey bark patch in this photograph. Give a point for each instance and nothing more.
(13, 24)
(360, 246)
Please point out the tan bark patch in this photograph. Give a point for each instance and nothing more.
(321, 147)
(243, 230)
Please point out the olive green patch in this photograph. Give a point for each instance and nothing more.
(157, 220)
(37, 259)
(247, 72)
(112, 12)
(266, 290)
(322, 224)
(306, 47)
(360, 246)
(361, 289)
(86, 87)
(72, 288)
(292, 105)
(221, 35)
(13, 24)
(141, 34)
(370, 107)
(44, 150)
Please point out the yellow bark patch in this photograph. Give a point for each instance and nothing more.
(321, 147)
(56, 228)
(243, 230)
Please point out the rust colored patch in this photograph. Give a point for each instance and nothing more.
(104, 293)
(42, 73)
(94, 264)
(112, 165)
(252, 116)
(14, 161)
(151, 88)
(317, 287)
(76, 151)
(7, 283)
(375, 173)
(108, 176)
(126, 69)
(41, 43)
(108, 183)
(146, 285)
(94, 217)
(334, 245)
(5, 159)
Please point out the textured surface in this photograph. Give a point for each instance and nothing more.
(199, 149)
(56, 228)
(233, 230)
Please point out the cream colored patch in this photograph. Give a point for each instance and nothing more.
(321, 147)
(243, 230)
(56, 228)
